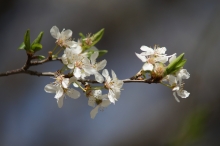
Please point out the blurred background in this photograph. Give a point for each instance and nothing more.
(145, 114)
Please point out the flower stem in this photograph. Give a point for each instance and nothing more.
(54, 48)
(80, 87)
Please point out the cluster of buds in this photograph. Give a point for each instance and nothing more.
(79, 59)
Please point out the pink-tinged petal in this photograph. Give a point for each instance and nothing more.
(105, 73)
(73, 93)
(94, 112)
(148, 66)
(174, 94)
(60, 101)
(66, 33)
(59, 93)
(50, 88)
(55, 32)
(94, 57)
(141, 57)
(101, 65)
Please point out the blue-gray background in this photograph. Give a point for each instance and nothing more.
(145, 114)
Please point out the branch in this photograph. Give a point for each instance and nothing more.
(30, 72)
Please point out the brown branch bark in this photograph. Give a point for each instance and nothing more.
(30, 62)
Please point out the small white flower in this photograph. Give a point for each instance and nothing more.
(60, 87)
(177, 87)
(82, 67)
(97, 66)
(98, 101)
(152, 56)
(63, 38)
(114, 85)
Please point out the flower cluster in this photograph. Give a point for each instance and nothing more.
(80, 59)
(154, 63)
(80, 62)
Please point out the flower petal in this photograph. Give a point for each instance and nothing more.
(101, 65)
(77, 72)
(99, 78)
(148, 66)
(94, 57)
(60, 101)
(65, 82)
(50, 88)
(141, 57)
(183, 93)
(94, 112)
(54, 31)
(59, 93)
(105, 73)
(73, 93)
(174, 94)
(114, 77)
(105, 103)
(66, 33)
(147, 49)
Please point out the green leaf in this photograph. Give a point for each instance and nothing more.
(38, 39)
(82, 35)
(96, 37)
(22, 46)
(41, 57)
(27, 40)
(36, 47)
(176, 64)
(102, 52)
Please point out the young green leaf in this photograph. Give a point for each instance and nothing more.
(102, 52)
(82, 35)
(41, 57)
(36, 47)
(96, 37)
(38, 39)
(27, 40)
(22, 46)
(176, 64)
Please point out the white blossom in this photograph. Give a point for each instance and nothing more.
(176, 83)
(114, 85)
(151, 56)
(60, 88)
(98, 101)
(63, 38)
(97, 66)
